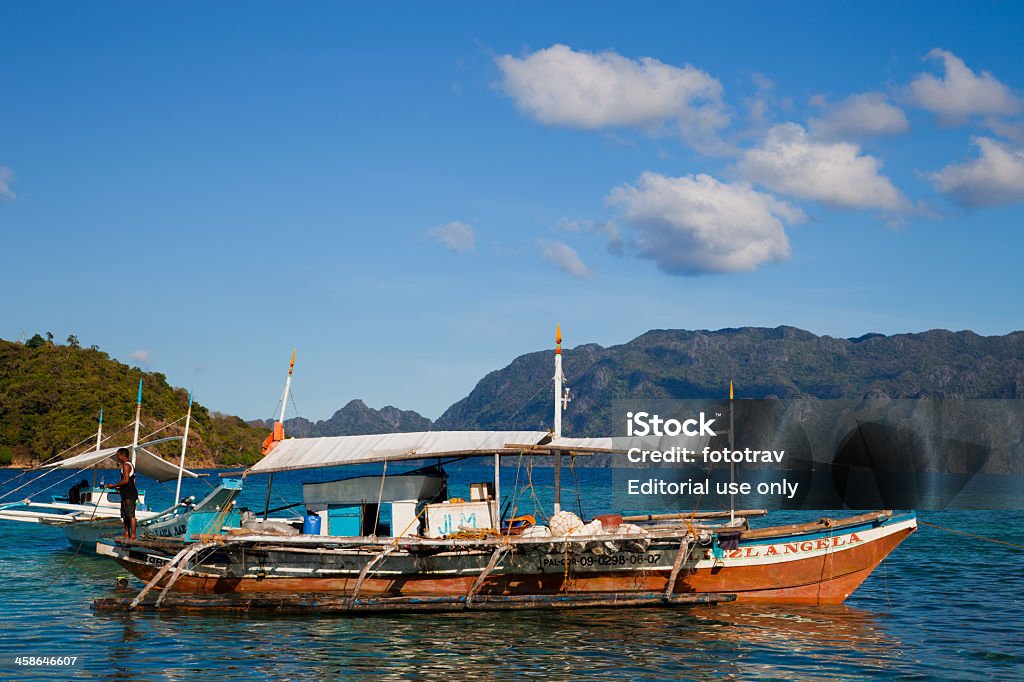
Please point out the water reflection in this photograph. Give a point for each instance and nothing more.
(117, 659)
(939, 606)
(730, 640)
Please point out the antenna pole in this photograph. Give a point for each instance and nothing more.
(732, 465)
(559, 379)
(497, 490)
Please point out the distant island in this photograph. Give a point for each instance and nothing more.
(355, 419)
(50, 392)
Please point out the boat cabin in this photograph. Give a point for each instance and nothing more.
(98, 496)
(413, 503)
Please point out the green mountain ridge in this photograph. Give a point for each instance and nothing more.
(783, 362)
(50, 394)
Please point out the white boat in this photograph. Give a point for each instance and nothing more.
(189, 520)
(96, 513)
(398, 542)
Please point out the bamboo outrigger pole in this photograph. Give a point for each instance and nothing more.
(184, 444)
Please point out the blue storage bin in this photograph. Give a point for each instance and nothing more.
(311, 525)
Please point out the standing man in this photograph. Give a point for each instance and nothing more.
(128, 492)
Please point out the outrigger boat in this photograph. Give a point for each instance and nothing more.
(399, 542)
(97, 510)
(94, 511)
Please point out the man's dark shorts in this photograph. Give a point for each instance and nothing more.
(128, 509)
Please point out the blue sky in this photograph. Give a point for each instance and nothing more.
(414, 194)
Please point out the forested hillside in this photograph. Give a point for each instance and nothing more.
(51, 395)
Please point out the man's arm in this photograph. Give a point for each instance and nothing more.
(124, 477)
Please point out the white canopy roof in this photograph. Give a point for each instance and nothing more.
(146, 463)
(310, 453)
(589, 444)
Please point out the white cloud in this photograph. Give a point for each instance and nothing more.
(760, 105)
(617, 242)
(565, 257)
(577, 89)
(573, 225)
(961, 93)
(865, 114)
(994, 178)
(696, 224)
(141, 355)
(1011, 130)
(456, 235)
(762, 81)
(758, 109)
(835, 173)
(6, 176)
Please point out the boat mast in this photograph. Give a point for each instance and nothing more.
(138, 423)
(278, 434)
(497, 488)
(287, 388)
(732, 465)
(99, 444)
(559, 379)
(184, 444)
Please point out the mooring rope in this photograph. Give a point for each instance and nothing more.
(885, 581)
(513, 507)
(576, 483)
(380, 497)
(508, 420)
(971, 535)
(538, 508)
(406, 529)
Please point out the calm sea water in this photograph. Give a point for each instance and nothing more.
(941, 607)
